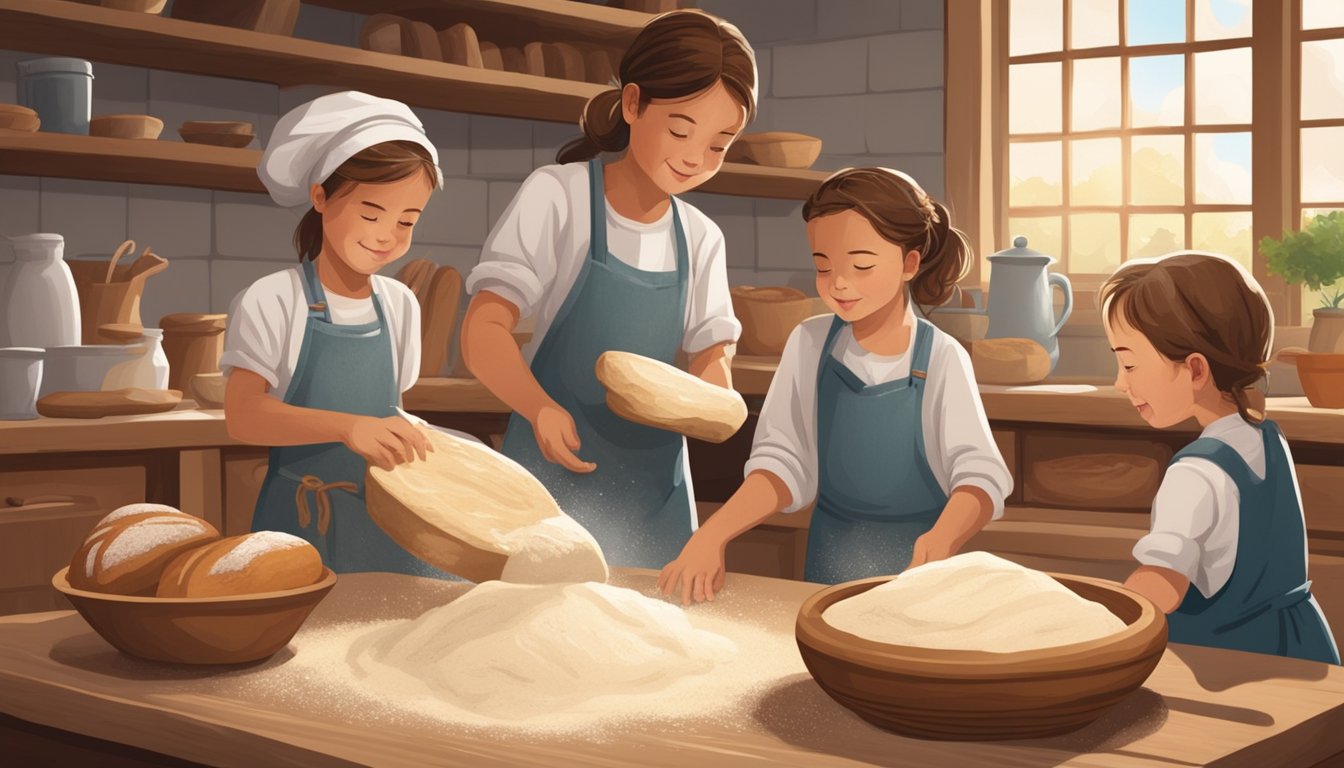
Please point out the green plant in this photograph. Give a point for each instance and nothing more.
(1313, 256)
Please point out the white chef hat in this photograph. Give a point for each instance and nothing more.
(312, 140)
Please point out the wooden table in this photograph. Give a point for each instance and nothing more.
(1200, 707)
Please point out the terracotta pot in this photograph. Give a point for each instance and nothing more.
(1327, 330)
(193, 343)
(1322, 378)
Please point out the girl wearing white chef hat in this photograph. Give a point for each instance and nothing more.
(605, 258)
(317, 356)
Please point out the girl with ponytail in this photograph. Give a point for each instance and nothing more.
(873, 414)
(1226, 555)
(604, 256)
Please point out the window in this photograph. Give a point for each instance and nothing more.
(1320, 108)
(1129, 128)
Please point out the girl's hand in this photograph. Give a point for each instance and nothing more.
(386, 442)
(931, 548)
(698, 570)
(558, 438)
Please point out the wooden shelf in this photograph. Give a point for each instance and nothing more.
(513, 22)
(61, 28)
(129, 160)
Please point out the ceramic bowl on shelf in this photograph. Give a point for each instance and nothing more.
(207, 389)
(17, 118)
(219, 133)
(126, 126)
(934, 693)
(780, 149)
(202, 630)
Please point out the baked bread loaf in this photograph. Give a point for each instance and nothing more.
(1009, 361)
(469, 509)
(265, 561)
(656, 394)
(128, 550)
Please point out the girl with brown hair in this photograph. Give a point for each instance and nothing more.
(873, 413)
(1226, 554)
(317, 356)
(604, 256)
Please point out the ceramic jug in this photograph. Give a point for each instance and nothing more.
(38, 303)
(1020, 306)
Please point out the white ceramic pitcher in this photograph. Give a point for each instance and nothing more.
(39, 306)
(1020, 306)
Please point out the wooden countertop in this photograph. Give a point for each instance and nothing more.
(1200, 707)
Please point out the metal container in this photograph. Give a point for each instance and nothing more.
(60, 90)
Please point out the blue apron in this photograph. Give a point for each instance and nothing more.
(875, 491)
(316, 492)
(637, 503)
(1266, 605)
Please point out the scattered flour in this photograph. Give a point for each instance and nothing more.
(553, 550)
(251, 547)
(138, 509)
(92, 559)
(144, 535)
(976, 602)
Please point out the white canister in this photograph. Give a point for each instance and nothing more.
(148, 369)
(20, 380)
(39, 303)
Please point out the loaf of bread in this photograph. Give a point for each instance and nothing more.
(128, 550)
(656, 394)
(1009, 361)
(265, 561)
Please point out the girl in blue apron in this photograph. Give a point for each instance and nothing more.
(317, 356)
(1226, 554)
(603, 256)
(872, 412)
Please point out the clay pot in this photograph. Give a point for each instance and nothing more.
(193, 343)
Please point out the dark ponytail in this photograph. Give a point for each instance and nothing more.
(379, 164)
(902, 213)
(677, 54)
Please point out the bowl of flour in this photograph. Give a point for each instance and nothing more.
(978, 648)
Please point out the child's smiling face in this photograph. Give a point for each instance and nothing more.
(680, 143)
(1162, 390)
(858, 270)
(369, 225)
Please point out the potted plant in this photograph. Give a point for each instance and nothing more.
(1314, 257)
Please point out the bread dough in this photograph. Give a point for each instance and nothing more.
(653, 393)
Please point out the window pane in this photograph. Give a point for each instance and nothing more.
(1323, 79)
(1034, 171)
(1223, 168)
(1095, 172)
(1322, 165)
(1094, 243)
(1158, 167)
(1322, 14)
(1157, 90)
(1042, 233)
(1153, 234)
(1310, 213)
(1035, 26)
(1096, 94)
(1155, 21)
(1223, 86)
(1035, 98)
(1094, 23)
(1225, 233)
(1221, 19)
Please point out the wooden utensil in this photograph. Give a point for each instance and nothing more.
(115, 402)
(440, 312)
(116, 300)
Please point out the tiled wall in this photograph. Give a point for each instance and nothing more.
(864, 75)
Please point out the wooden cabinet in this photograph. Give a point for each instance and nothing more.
(244, 471)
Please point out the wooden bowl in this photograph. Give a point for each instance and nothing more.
(769, 315)
(126, 126)
(1322, 377)
(202, 630)
(216, 139)
(781, 149)
(207, 389)
(979, 696)
(16, 118)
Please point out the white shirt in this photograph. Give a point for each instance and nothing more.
(537, 248)
(960, 448)
(267, 321)
(1197, 511)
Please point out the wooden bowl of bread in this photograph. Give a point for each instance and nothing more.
(163, 585)
(768, 315)
(964, 695)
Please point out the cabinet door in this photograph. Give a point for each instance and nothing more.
(45, 514)
(244, 472)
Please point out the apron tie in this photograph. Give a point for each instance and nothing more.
(314, 483)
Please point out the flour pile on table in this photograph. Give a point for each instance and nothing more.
(973, 602)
